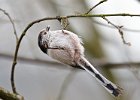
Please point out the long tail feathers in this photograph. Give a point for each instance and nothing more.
(108, 85)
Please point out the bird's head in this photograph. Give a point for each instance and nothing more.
(42, 40)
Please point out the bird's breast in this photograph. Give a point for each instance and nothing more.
(65, 56)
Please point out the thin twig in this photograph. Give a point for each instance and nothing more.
(54, 18)
(119, 29)
(12, 22)
(95, 6)
(6, 95)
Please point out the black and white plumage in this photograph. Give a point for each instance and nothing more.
(66, 47)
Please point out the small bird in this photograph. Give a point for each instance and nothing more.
(66, 47)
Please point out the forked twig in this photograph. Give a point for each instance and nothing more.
(119, 30)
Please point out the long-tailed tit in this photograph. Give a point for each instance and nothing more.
(66, 47)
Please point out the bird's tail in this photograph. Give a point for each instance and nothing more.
(108, 85)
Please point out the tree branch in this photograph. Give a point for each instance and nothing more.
(6, 95)
(12, 22)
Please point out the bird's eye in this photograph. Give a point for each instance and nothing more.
(45, 33)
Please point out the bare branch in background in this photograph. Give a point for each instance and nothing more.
(97, 62)
(68, 79)
(119, 29)
(12, 22)
(95, 6)
(6, 95)
(122, 65)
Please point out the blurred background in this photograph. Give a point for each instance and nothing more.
(38, 77)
